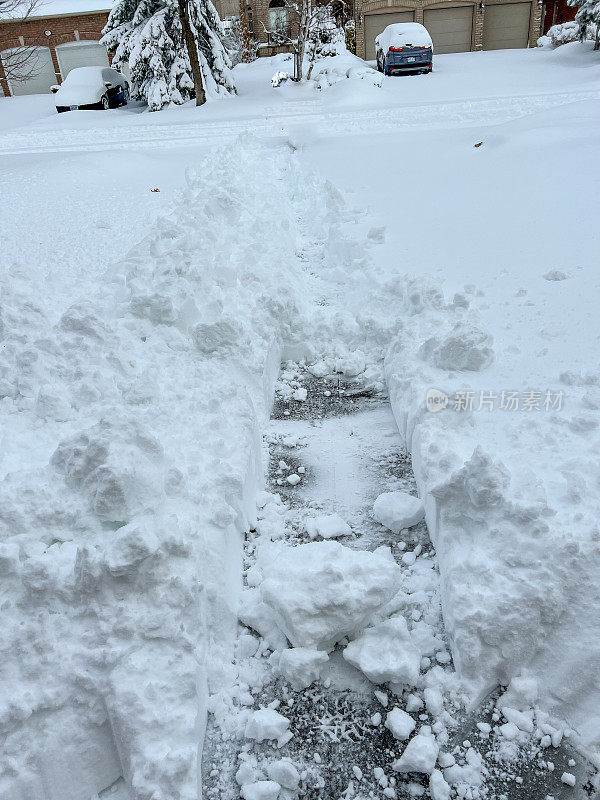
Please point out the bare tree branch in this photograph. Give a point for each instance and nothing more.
(22, 63)
(307, 15)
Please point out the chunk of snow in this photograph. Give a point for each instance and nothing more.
(319, 369)
(284, 773)
(261, 618)
(464, 347)
(434, 701)
(328, 526)
(261, 790)
(438, 788)
(568, 778)
(246, 646)
(293, 479)
(245, 774)
(301, 666)
(413, 702)
(420, 755)
(398, 510)
(510, 731)
(382, 697)
(556, 275)
(523, 720)
(400, 724)
(323, 591)
(446, 760)
(300, 394)
(266, 723)
(386, 652)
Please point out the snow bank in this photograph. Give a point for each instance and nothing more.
(509, 506)
(139, 411)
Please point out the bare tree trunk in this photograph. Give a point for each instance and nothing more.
(597, 40)
(192, 50)
(245, 31)
(303, 29)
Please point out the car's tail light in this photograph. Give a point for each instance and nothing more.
(396, 49)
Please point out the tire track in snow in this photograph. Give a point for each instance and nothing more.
(454, 114)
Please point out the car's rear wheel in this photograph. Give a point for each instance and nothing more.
(104, 103)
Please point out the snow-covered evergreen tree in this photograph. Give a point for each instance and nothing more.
(148, 37)
(588, 19)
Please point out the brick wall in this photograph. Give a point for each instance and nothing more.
(84, 27)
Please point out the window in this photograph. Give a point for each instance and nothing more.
(277, 15)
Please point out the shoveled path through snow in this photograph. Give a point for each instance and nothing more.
(345, 449)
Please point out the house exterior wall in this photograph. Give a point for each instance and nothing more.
(32, 31)
(260, 27)
(362, 7)
(556, 12)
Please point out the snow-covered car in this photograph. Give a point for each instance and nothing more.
(404, 47)
(91, 87)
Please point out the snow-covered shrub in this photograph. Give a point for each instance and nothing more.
(345, 66)
(564, 34)
(148, 38)
(325, 39)
(233, 40)
(279, 78)
(333, 62)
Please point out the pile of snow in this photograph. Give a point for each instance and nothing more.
(139, 409)
(515, 540)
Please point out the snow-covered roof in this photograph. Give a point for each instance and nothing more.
(400, 34)
(58, 8)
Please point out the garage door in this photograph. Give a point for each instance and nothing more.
(374, 25)
(450, 28)
(37, 68)
(80, 54)
(506, 26)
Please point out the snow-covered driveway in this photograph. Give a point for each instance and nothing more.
(139, 356)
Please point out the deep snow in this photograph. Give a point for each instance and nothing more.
(506, 231)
